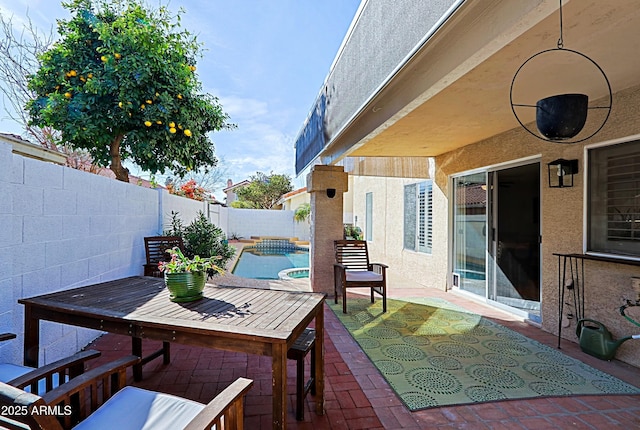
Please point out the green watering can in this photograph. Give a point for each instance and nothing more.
(597, 340)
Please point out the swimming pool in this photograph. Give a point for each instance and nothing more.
(258, 262)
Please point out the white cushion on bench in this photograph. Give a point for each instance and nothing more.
(363, 276)
(136, 409)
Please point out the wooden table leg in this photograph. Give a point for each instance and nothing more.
(31, 338)
(136, 349)
(279, 388)
(319, 355)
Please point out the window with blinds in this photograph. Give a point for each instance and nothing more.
(418, 217)
(614, 199)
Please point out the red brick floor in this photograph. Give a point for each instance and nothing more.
(358, 397)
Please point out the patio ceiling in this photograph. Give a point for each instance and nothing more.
(455, 90)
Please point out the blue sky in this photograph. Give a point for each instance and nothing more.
(265, 60)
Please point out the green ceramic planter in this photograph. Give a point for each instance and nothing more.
(185, 287)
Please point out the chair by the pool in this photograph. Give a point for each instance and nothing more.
(111, 405)
(155, 248)
(44, 378)
(352, 269)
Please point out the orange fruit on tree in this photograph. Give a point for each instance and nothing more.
(73, 73)
(147, 123)
(117, 55)
(172, 130)
(187, 132)
(104, 58)
(172, 124)
(67, 95)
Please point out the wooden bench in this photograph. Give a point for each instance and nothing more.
(300, 348)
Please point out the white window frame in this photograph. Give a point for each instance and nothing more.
(423, 234)
(368, 222)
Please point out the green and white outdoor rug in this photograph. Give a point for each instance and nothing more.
(433, 354)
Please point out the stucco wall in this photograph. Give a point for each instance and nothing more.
(563, 217)
(420, 269)
(606, 284)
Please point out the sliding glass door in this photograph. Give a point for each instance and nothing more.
(496, 237)
(470, 232)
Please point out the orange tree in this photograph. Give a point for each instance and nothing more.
(121, 83)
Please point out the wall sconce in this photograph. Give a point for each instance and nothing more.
(561, 173)
(331, 192)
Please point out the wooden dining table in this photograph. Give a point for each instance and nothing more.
(251, 320)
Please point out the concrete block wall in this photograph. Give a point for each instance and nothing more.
(187, 209)
(260, 222)
(62, 228)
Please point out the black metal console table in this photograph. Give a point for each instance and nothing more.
(574, 263)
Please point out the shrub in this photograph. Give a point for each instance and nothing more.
(202, 238)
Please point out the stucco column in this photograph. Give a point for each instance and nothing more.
(326, 184)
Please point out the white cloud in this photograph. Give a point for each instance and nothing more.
(258, 144)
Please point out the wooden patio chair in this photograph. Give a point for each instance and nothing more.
(155, 248)
(352, 269)
(45, 378)
(107, 404)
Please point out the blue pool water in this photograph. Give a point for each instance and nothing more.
(261, 264)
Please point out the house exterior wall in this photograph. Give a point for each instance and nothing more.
(292, 203)
(563, 218)
(562, 214)
(421, 269)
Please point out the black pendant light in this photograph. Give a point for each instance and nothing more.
(561, 117)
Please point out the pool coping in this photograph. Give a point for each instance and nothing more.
(229, 279)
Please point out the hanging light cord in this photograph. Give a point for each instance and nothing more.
(560, 41)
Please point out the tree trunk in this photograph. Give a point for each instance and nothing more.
(121, 173)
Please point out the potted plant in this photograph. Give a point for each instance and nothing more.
(185, 277)
(202, 238)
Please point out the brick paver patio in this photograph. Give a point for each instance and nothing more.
(358, 397)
